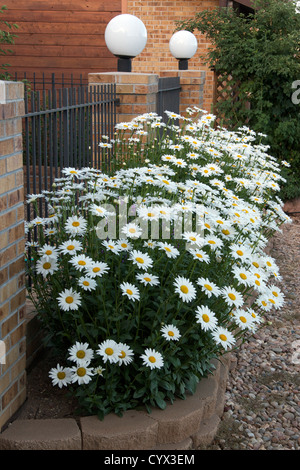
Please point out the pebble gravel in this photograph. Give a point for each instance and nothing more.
(262, 399)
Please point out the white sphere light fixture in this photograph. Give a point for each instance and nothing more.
(125, 37)
(183, 46)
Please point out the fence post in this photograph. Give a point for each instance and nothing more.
(192, 87)
(12, 265)
(136, 91)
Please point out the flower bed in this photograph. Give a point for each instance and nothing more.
(141, 275)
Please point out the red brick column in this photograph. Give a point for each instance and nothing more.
(12, 273)
(192, 87)
(136, 91)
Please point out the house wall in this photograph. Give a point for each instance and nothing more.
(61, 36)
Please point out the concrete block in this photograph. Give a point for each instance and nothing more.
(207, 432)
(47, 434)
(134, 431)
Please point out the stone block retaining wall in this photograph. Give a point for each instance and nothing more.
(184, 425)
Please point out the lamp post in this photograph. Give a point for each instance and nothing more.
(125, 37)
(183, 45)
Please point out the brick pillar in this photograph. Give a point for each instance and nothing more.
(12, 272)
(192, 87)
(136, 91)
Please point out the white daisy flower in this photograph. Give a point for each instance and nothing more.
(170, 332)
(87, 283)
(126, 354)
(130, 291)
(206, 318)
(232, 297)
(243, 276)
(80, 352)
(124, 244)
(96, 269)
(152, 359)
(81, 262)
(112, 246)
(185, 289)
(140, 259)
(110, 351)
(76, 225)
(69, 300)
(132, 230)
(81, 373)
(148, 279)
(48, 252)
(208, 287)
(240, 252)
(224, 337)
(70, 247)
(60, 376)
(46, 266)
(243, 319)
(194, 238)
(213, 242)
(169, 249)
(199, 255)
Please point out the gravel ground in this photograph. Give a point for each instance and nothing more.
(262, 409)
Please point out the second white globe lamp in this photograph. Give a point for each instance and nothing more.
(183, 46)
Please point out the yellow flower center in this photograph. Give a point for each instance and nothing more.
(226, 232)
(129, 292)
(47, 265)
(96, 269)
(132, 230)
(81, 371)
(109, 351)
(223, 337)
(243, 319)
(124, 245)
(70, 247)
(69, 299)
(73, 172)
(243, 276)
(122, 355)
(75, 224)
(111, 247)
(139, 260)
(208, 287)
(232, 296)
(86, 283)
(152, 359)
(151, 214)
(240, 252)
(199, 255)
(61, 375)
(170, 333)
(211, 242)
(166, 182)
(148, 279)
(80, 354)
(275, 294)
(184, 289)
(48, 252)
(82, 262)
(255, 264)
(205, 318)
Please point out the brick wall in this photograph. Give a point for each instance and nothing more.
(12, 274)
(159, 17)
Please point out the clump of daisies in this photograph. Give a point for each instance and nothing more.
(144, 274)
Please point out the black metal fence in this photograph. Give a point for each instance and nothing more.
(63, 128)
(168, 96)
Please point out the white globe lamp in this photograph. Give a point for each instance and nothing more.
(183, 46)
(125, 37)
